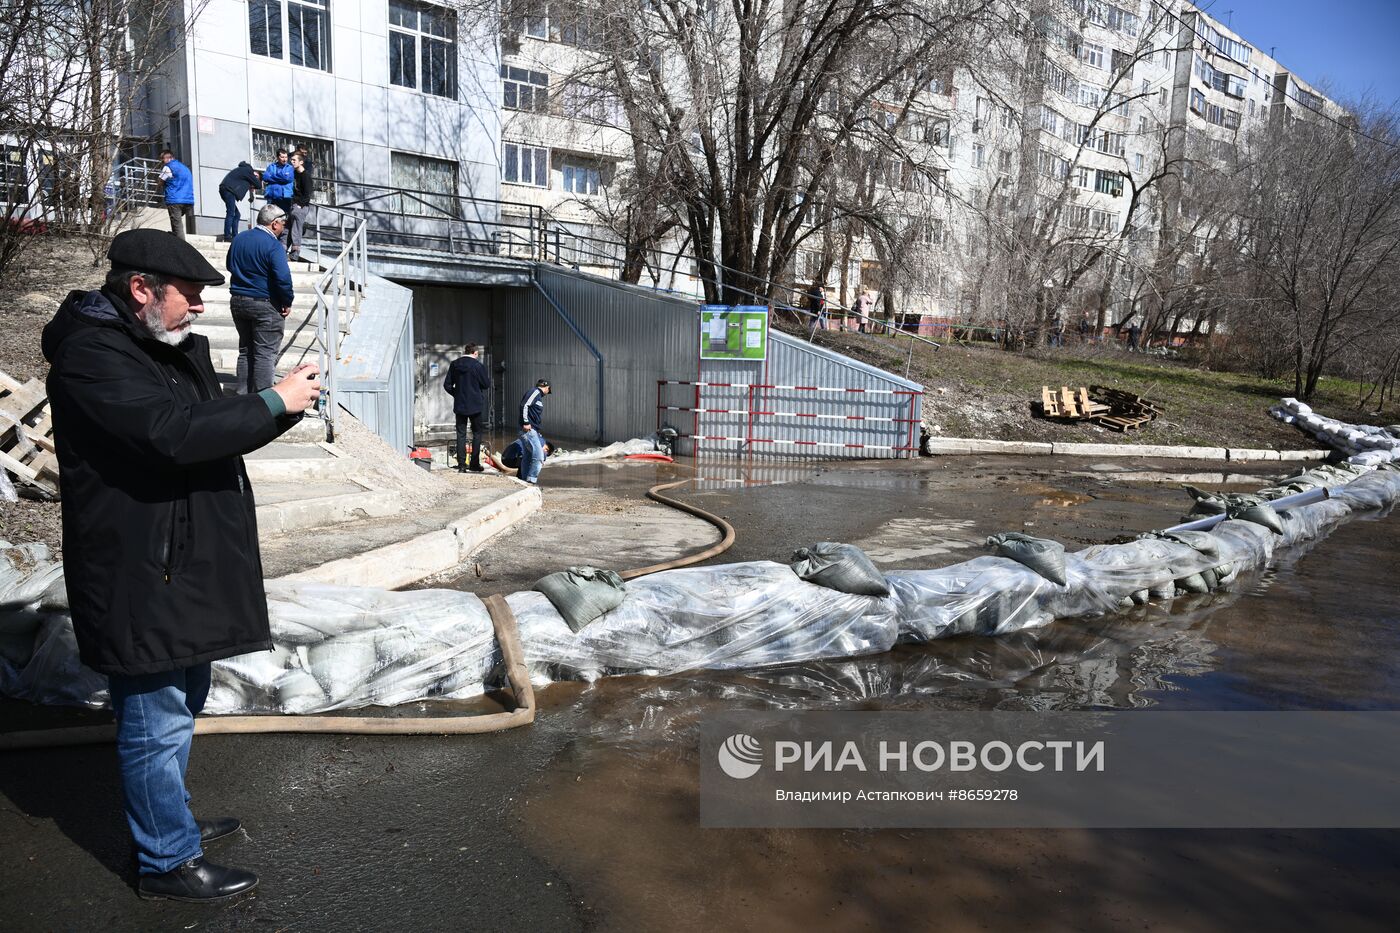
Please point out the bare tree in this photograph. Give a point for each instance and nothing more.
(70, 75)
(1323, 215)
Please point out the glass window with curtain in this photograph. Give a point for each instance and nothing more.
(434, 182)
(525, 165)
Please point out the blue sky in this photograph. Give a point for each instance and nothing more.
(1351, 43)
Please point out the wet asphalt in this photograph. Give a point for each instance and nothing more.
(518, 831)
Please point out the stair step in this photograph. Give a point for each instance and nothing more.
(281, 462)
(298, 506)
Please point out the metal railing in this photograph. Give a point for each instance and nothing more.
(340, 288)
(135, 183)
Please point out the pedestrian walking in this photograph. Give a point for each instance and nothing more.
(866, 306)
(468, 382)
(301, 203)
(532, 405)
(261, 285)
(1134, 332)
(237, 185)
(179, 192)
(1084, 329)
(816, 306)
(160, 531)
(279, 180)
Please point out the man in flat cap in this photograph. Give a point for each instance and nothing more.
(160, 537)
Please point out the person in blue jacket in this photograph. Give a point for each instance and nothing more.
(261, 285)
(179, 191)
(279, 182)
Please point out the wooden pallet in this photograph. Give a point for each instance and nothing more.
(26, 435)
(1070, 405)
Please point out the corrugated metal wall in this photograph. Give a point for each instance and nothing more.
(643, 337)
(376, 375)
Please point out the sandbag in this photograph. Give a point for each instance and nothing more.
(841, 567)
(1042, 555)
(1192, 583)
(1261, 513)
(582, 594)
(1202, 542)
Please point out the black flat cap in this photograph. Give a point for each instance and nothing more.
(163, 254)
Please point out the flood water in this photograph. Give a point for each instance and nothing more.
(617, 811)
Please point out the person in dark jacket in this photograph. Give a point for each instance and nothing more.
(179, 192)
(468, 382)
(522, 457)
(261, 287)
(279, 183)
(301, 203)
(160, 534)
(532, 405)
(236, 186)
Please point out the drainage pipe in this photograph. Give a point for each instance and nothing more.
(727, 530)
(1280, 505)
(583, 338)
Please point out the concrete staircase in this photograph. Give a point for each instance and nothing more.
(302, 482)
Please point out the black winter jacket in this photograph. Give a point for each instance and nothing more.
(160, 536)
(240, 181)
(467, 382)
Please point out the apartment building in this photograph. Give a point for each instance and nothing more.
(386, 94)
(510, 114)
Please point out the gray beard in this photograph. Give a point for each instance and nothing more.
(153, 321)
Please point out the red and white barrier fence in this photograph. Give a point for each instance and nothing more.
(752, 412)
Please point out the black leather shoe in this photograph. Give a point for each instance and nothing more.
(199, 882)
(476, 469)
(217, 828)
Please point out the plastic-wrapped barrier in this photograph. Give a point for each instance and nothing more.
(1367, 445)
(341, 647)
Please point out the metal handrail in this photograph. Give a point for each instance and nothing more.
(344, 280)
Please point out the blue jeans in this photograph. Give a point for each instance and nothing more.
(155, 724)
(232, 219)
(532, 456)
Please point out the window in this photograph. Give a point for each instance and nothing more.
(1122, 61)
(1091, 54)
(423, 48)
(979, 155)
(526, 165)
(435, 179)
(1051, 165)
(936, 133)
(306, 26)
(1146, 87)
(1083, 177)
(1231, 120)
(14, 179)
(1111, 143)
(1049, 120)
(1198, 102)
(934, 232)
(320, 151)
(1251, 108)
(525, 90)
(265, 27)
(1137, 161)
(1004, 161)
(595, 105)
(582, 176)
(1142, 126)
(1110, 183)
(1008, 118)
(1162, 97)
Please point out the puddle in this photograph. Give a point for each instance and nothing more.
(906, 539)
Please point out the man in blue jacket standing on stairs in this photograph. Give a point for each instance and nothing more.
(279, 180)
(179, 191)
(261, 285)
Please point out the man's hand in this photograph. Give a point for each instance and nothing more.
(286, 311)
(300, 389)
(526, 428)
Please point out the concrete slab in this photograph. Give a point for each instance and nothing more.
(1250, 453)
(1304, 454)
(1138, 450)
(322, 511)
(435, 544)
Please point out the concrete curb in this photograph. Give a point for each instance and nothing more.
(324, 511)
(951, 446)
(406, 562)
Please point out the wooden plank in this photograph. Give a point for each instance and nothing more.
(1067, 406)
(19, 469)
(1048, 405)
